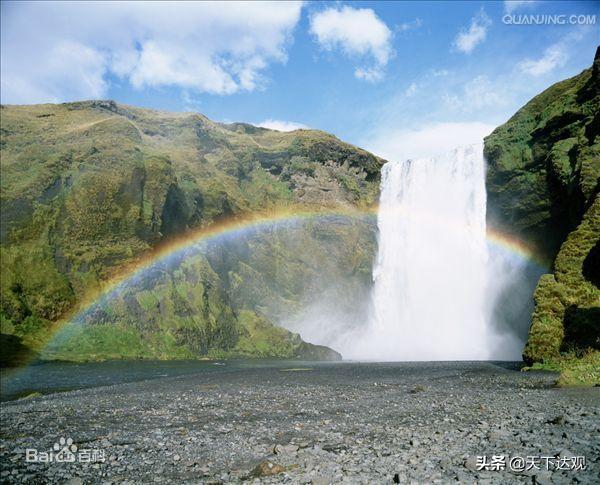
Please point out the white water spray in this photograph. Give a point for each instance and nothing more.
(436, 289)
(430, 274)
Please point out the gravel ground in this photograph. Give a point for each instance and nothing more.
(313, 423)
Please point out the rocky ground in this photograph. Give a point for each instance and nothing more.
(312, 423)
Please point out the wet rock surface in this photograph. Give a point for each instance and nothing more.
(330, 423)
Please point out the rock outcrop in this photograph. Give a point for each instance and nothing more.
(543, 184)
(91, 187)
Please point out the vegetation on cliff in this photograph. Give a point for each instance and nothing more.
(543, 187)
(90, 187)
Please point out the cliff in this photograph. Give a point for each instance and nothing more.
(542, 181)
(89, 188)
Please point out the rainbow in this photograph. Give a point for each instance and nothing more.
(231, 228)
(517, 248)
(238, 226)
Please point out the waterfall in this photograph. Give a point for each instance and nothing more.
(440, 290)
(428, 300)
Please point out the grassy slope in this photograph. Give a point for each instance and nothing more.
(89, 187)
(544, 167)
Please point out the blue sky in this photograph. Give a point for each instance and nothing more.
(399, 78)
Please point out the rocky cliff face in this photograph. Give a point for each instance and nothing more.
(542, 180)
(89, 187)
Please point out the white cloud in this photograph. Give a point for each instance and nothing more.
(428, 140)
(411, 90)
(511, 5)
(371, 74)
(554, 56)
(468, 39)
(476, 94)
(415, 24)
(68, 67)
(63, 51)
(358, 33)
(280, 125)
(440, 72)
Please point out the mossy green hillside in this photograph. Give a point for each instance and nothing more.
(544, 164)
(567, 311)
(576, 369)
(543, 187)
(90, 187)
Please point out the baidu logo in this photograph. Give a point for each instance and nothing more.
(64, 451)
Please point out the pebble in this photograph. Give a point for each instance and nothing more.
(285, 449)
(424, 423)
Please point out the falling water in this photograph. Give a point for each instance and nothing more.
(430, 273)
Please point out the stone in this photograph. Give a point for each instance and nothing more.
(285, 449)
(471, 463)
(74, 481)
(565, 452)
(560, 419)
(324, 480)
(334, 447)
(266, 468)
(496, 434)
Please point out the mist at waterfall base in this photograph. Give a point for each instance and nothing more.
(440, 290)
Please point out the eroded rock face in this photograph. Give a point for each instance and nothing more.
(89, 187)
(542, 181)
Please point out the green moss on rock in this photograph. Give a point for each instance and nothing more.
(92, 186)
(543, 185)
